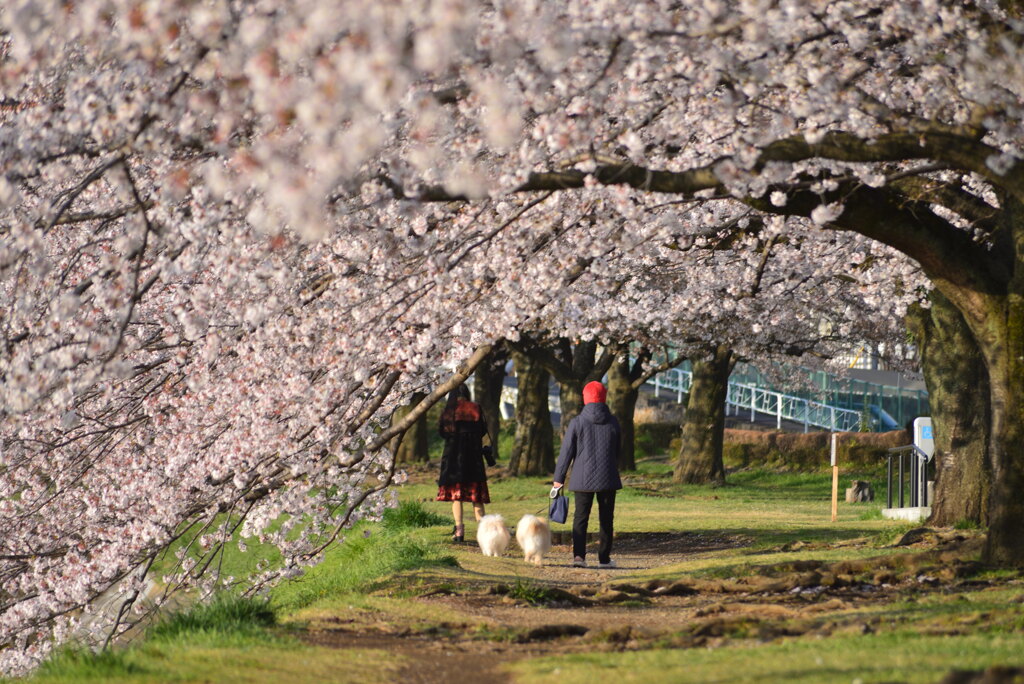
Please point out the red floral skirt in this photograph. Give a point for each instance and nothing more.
(464, 491)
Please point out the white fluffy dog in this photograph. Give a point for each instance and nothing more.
(534, 537)
(492, 535)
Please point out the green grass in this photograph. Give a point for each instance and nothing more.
(369, 555)
(370, 577)
(966, 524)
(269, 661)
(770, 508)
(236, 639)
(411, 514)
(226, 616)
(898, 656)
(228, 640)
(531, 592)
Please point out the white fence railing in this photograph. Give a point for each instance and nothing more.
(740, 399)
(753, 399)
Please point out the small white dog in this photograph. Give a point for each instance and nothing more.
(492, 535)
(534, 537)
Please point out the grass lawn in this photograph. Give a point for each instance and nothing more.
(897, 657)
(404, 582)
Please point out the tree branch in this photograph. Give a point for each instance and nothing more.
(458, 377)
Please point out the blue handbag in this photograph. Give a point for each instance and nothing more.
(559, 509)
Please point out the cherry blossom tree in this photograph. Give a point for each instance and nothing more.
(235, 236)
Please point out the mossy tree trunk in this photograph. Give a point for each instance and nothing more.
(488, 381)
(958, 394)
(570, 401)
(700, 454)
(990, 297)
(411, 446)
(625, 378)
(986, 285)
(573, 365)
(533, 449)
(999, 329)
(622, 396)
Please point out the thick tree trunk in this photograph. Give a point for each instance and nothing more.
(1005, 543)
(488, 380)
(412, 446)
(533, 449)
(573, 365)
(582, 362)
(700, 454)
(996, 320)
(570, 402)
(1004, 355)
(958, 392)
(622, 402)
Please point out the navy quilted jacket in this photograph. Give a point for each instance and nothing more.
(591, 446)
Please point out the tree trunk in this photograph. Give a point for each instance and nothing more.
(700, 455)
(581, 359)
(622, 402)
(533, 449)
(573, 365)
(1004, 356)
(958, 394)
(412, 445)
(1005, 543)
(996, 320)
(488, 381)
(570, 402)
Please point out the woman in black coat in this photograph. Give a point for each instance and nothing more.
(463, 477)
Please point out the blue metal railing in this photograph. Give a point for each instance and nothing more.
(900, 403)
(743, 397)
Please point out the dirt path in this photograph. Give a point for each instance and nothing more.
(431, 660)
(485, 615)
(495, 628)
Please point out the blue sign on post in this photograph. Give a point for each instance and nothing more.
(923, 435)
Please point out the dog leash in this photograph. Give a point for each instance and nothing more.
(555, 491)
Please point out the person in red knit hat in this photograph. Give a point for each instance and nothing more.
(591, 446)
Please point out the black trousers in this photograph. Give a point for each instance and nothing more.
(581, 518)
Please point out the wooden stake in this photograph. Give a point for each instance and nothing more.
(835, 492)
(835, 479)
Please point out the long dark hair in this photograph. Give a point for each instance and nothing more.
(448, 414)
(460, 392)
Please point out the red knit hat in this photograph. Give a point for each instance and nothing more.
(594, 392)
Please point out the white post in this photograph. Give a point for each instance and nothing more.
(752, 402)
(807, 413)
(778, 411)
(657, 385)
(832, 418)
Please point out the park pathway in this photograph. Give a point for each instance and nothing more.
(494, 627)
